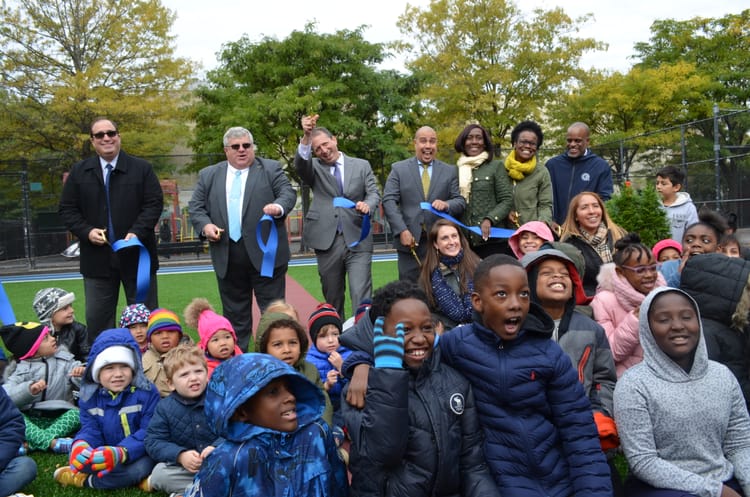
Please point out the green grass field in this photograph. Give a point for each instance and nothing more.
(175, 292)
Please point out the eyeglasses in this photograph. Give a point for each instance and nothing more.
(111, 133)
(641, 270)
(527, 143)
(236, 146)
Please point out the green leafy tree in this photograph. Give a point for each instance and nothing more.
(65, 62)
(484, 61)
(639, 211)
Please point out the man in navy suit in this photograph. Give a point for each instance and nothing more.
(251, 186)
(405, 190)
(332, 230)
(136, 202)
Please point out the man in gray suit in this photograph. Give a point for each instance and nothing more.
(419, 179)
(332, 230)
(227, 204)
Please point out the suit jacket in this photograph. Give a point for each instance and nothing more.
(322, 218)
(403, 194)
(266, 184)
(136, 199)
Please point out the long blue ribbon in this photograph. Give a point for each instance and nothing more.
(494, 232)
(269, 248)
(348, 204)
(143, 276)
(6, 310)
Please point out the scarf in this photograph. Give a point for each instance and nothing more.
(519, 170)
(455, 307)
(466, 166)
(599, 241)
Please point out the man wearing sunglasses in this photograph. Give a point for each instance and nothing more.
(135, 204)
(227, 204)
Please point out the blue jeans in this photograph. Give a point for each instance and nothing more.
(19, 472)
(637, 488)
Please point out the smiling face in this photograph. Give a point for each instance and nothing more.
(419, 330)
(503, 300)
(325, 148)
(221, 345)
(107, 147)
(448, 241)
(474, 143)
(284, 344)
(699, 239)
(554, 288)
(115, 377)
(529, 242)
(675, 327)
(577, 141)
(273, 406)
(640, 271)
(588, 213)
(189, 380)
(425, 144)
(526, 145)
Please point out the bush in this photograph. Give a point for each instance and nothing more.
(640, 211)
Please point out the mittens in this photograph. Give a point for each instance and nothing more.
(389, 351)
(105, 458)
(80, 455)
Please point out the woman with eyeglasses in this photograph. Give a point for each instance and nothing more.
(482, 182)
(623, 285)
(530, 181)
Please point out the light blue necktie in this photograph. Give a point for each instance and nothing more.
(235, 200)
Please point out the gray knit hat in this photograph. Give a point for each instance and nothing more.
(47, 301)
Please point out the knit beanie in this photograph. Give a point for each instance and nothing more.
(362, 309)
(666, 243)
(209, 323)
(322, 315)
(47, 301)
(23, 339)
(163, 319)
(117, 354)
(134, 314)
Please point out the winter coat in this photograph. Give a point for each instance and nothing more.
(178, 425)
(491, 198)
(682, 430)
(717, 284)
(437, 453)
(613, 308)
(681, 214)
(13, 433)
(55, 370)
(255, 461)
(593, 260)
(120, 419)
(532, 197)
(536, 227)
(540, 436)
(74, 337)
(320, 361)
(212, 362)
(359, 336)
(154, 370)
(571, 176)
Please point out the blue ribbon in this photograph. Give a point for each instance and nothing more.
(6, 310)
(348, 204)
(494, 232)
(143, 276)
(269, 248)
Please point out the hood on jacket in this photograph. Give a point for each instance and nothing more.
(237, 379)
(720, 286)
(112, 338)
(655, 358)
(539, 228)
(531, 264)
(680, 199)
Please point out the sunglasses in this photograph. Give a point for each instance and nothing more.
(111, 133)
(641, 270)
(236, 146)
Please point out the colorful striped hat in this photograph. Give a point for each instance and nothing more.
(163, 319)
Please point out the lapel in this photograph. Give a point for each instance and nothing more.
(417, 176)
(220, 183)
(330, 180)
(346, 171)
(253, 173)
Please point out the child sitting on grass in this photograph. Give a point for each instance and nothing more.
(135, 318)
(116, 404)
(16, 471)
(217, 337)
(164, 333)
(42, 386)
(276, 442)
(54, 307)
(179, 437)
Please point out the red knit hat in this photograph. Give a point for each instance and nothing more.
(664, 244)
(322, 315)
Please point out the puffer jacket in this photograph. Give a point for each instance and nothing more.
(55, 370)
(256, 461)
(179, 424)
(540, 436)
(320, 361)
(437, 453)
(717, 283)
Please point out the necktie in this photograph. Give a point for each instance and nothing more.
(425, 180)
(337, 175)
(235, 199)
(111, 234)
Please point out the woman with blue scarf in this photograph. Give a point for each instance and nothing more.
(447, 273)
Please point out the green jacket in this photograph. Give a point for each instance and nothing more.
(491, 198)
(532, 197)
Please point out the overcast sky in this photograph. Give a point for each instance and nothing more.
(203, 26)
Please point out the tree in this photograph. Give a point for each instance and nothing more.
(486, 62)
(268, 86)
(65, 62)
(639, 211)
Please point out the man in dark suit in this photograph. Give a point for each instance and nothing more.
(136, 201)
(419, 179)
(227, 204)
(331, 230)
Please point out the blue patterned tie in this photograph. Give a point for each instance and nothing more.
(235, 200)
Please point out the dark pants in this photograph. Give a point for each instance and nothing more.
(335, 264)
(124, 475)
(237, 288)
(636, 488)
(408, 266)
